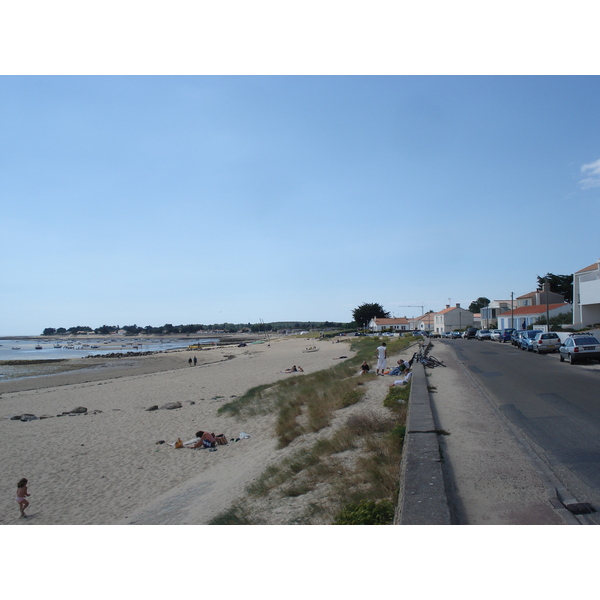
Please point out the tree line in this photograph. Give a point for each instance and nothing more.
(170, 329)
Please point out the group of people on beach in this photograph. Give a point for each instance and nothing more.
(404, 366)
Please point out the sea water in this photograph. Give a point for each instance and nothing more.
(25, 349)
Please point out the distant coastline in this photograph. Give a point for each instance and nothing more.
(20, 359)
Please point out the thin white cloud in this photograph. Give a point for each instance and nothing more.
(592, 170)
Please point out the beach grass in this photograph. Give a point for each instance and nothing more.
(308, 402)
(358, 462)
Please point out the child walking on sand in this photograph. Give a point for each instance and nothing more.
(21, 495)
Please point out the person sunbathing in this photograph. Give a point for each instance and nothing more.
(204, 436)
(404, 381)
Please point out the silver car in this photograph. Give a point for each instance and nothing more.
(545, 342)
(579, 347)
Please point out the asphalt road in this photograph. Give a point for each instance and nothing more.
(554, 407)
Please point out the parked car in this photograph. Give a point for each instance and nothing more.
(546, 342)
(495, 335)
(527, 339)
(515, 337)
(470, 333)
(579, 347)
(456, 334)
(483, 334)
(506, 336)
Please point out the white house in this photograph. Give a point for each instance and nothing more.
(540, 297)
(489, 313)
(381, 324)
(524, 316)
(586, 296)
(452, 318)
(423, 323)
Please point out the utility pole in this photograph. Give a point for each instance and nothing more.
(512, 310)
(547, 286)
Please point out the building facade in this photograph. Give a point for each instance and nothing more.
(380, 324)
(586, 296)
(525, 316)
(452, 319)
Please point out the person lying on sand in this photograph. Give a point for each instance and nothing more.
(404, 381)
(294, 369)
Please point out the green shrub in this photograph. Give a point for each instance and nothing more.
(234, 515)
(397, 396)
(366, 512)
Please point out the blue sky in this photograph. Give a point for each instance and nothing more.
(204, 199)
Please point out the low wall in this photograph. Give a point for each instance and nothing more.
(422, 499)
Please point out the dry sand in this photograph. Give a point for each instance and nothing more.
(106, 468)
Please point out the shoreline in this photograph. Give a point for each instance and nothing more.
(53, 367)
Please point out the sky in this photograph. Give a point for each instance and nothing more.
(157, 190)
(207, 199)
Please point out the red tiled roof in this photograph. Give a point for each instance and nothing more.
(528, 295)
(426, 317)
(534, 309)
(593, 267)
(398, 321)
(447, 310)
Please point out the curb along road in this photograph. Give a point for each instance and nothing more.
(422, 498)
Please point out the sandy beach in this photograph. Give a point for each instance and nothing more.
(105, 467)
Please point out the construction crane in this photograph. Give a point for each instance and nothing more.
(421, 306)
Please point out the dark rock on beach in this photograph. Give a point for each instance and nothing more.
(79, 409)
(28, 418)
(123, 354)
(153, 407)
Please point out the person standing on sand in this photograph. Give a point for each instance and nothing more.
(195, 361)
(21, 495)
(190, 361)
(381, 357)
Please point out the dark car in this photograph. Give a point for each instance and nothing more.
(505, 336)
(579, 347)
(527, 337)
(470, 333)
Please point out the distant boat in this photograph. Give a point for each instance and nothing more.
(57, 346)
(38, 347)
(93, 346)
(15, 348)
